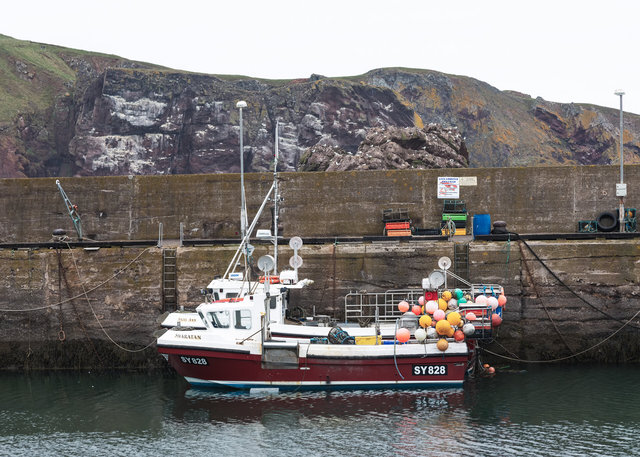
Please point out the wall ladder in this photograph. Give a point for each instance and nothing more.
(461, 260)
(169, 280)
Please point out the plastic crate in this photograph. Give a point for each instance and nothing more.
(395, 215)
(630, 224)
(458, 224)
(587, 226)
(454, 206)
(454, 217)
(398, 232)
(459, 231)
(397, 225)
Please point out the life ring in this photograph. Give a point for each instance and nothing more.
(229, 300)
(271, 279)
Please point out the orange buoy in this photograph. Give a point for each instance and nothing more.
(442, 344)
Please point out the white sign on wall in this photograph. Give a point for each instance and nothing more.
(448, 187)
(468, 180)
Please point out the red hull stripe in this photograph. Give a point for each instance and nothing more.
(202, 367)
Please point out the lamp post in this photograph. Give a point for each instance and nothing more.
(243, 210)
(621, 189)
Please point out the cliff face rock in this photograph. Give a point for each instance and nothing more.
(393, 148)
(147, 122)
(507, 128)
(70, 112)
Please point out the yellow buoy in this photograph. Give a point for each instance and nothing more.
(443, 327)
(454, 318)
(442, 304)
(446, 295)
(425, 321)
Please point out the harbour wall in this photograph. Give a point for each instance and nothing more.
(77, 308)
(530, 200)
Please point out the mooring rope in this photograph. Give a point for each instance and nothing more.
(115, 275)
(559, 359)
(86, 295)
(573, 292)
(546, 310)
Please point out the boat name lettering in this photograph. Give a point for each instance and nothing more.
(186, 336)
(193, 360)
(429, 370)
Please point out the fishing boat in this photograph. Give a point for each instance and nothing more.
(238, 349)
(240, 337)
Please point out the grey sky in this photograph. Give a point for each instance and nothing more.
(562, 50)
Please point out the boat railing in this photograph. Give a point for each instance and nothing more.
(380, 307)
(377, 306)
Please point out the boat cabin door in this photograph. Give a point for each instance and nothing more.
(280, 355)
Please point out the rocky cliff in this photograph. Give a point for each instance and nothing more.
(67, 112)
(392, 148)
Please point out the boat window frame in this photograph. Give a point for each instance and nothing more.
(202, 318)
(216, 322)
(240, 316)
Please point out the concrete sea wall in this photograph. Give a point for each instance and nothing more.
(530, 200)
(113, 295)
(77, 308)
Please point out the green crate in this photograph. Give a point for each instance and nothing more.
(454, 217)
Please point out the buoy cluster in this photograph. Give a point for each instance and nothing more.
(452, 316)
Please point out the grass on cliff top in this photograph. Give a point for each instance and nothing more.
(33, 74)
(27, 73)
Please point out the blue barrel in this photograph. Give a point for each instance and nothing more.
(481, 224)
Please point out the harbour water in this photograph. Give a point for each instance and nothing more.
(550, 410)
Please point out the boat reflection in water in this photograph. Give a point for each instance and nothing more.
(555, 410)
(231, 406)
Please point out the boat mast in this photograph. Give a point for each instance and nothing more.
(276, 198)
(243, 204)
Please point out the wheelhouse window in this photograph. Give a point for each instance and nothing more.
(243, 319)
(220, 319)
(206, 324)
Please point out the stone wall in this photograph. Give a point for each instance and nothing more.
(530, 200)
(113, 295)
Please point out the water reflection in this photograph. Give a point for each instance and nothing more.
(541, 411)
(226, 406)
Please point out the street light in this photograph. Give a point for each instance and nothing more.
(621, 189)
(243, 210)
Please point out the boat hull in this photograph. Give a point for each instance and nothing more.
(243, 370)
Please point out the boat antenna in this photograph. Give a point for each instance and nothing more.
(276, 198)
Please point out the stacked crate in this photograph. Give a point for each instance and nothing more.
(456, 211)
(396, 222)
(630, 219)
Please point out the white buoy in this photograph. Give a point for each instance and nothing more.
(468, 329)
